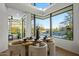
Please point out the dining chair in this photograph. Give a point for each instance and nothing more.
(38, 50)
(17, 50)
(51, 48)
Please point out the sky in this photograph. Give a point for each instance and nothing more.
(55, 20)
(42, 5)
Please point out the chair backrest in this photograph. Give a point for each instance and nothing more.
(17, 50)
(38, 51)
(14, 51)
(51, 48)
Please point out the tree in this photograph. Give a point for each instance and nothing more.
(68, 26)
(42, 29)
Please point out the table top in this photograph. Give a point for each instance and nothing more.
(27, 42)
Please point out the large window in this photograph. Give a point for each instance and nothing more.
(59, 25)
(62, 25)
(44, 27)
(16, 29)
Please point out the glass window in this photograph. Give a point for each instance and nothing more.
(42, 5)
(15, 28)
(44, 27)
(62, 26)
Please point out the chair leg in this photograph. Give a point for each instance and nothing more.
(11, 53)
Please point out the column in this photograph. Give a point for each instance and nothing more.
(27, 25)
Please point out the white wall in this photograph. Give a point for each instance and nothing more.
(72, 46)
(3, 28)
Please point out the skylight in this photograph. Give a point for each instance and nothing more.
(41, 5)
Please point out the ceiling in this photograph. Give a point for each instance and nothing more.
(29, 8)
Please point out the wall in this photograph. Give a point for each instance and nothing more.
(72, 46)
(3, 28)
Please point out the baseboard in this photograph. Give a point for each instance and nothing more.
(4, 51)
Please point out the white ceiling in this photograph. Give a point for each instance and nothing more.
(15, 13)
(27, 7)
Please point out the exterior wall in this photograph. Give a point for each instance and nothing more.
(3, 28)
(72, 46)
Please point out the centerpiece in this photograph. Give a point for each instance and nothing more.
(37, 35)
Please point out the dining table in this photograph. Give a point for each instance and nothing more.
(25, 43)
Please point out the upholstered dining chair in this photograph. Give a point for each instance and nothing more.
(51, 48)
(17, 50)
(38, 50)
